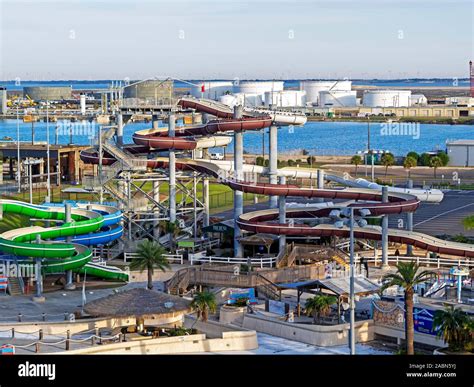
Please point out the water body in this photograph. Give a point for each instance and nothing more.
(318, 138)
(293, 83)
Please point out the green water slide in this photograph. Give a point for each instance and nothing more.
(38, 242)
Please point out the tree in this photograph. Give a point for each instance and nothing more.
(319, 305)
(407, 276)
(259, 160)
(444, 158)
(311, 160)
(435, 163)
(356, 160)
(415, 155)
(387, 160)
(150, 256)
(468, 222)
(425, 159)
(173, 229)
(408, 163)
(203, 303)
(455, 327)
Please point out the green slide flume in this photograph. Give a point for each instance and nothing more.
(57, 256)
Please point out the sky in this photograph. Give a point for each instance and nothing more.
(224, 39)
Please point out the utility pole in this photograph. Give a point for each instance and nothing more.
(352, 280)
(18, 172)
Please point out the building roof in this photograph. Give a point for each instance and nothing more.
(460, 142)
(138, 302)
(338, 286)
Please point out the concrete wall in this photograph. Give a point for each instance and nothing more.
(229, 341)
(54, 328)
(320, 335)
(398, 333)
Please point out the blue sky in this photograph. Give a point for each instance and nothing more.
(90, 39)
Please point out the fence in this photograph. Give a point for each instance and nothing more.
(438, 262)
(261, 262)
(171, 258)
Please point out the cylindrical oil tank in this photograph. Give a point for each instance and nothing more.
(386, 98)
(285, 98)
(51, 93)
(313, 88)
(3, 100)
(229, 100)
(338, 98)
(258, 87)
(250, 99)
(212, 89)
(152, 90)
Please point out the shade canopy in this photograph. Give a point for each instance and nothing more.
(138, 302)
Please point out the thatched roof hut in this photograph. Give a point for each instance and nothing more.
(140, 303)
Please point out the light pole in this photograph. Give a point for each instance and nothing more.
(48, 173)
(361, 222)
(18, 172)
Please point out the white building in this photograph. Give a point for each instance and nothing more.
(461, 153)
(418, 99)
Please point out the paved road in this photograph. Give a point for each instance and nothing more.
(443, 218)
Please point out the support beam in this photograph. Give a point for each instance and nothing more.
(385, 231)
(172, 169)
(68, 218)
(39, 277)
(119, 118)
(282, 215)
(409, 221)
(238, 175)
(205, 199)
(156, 213)
(273, 162)
(320, 182)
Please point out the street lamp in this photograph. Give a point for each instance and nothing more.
(48, 173)
(18, 172)
(361, 222)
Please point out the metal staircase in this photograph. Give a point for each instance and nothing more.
(15, 287)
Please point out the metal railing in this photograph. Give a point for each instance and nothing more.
(259, 261)
(438, 262)
(171, 258)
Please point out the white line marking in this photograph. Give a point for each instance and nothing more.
(443, 213)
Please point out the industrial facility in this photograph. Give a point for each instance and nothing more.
(49, 93)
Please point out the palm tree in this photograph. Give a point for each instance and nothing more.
(407, 276)
(387, 160)
(435, 162)
(150, 255)
(319, 305)
(408, 163)
(173, 229)
(203, 303)
(454, 326)
(356, 160)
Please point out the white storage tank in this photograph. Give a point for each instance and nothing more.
(250, 99)
(258, 87)
(285, 98)
(386, 98)
(231, 100)
(313, 88)
(339, 98)
(212, 89)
